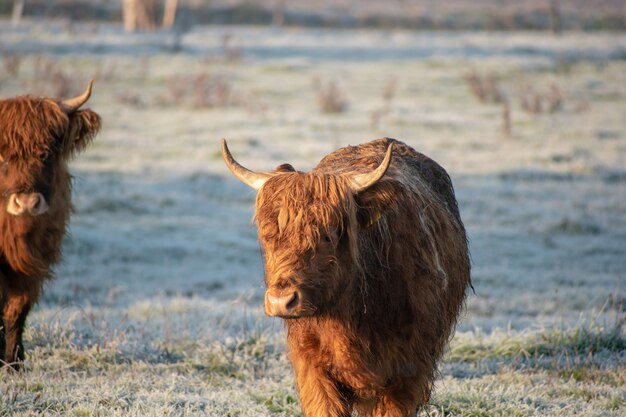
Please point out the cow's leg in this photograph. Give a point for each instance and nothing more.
(14, 312)
(2, 333)
(389, 407)
(402, 400)
(320, 396)
(2, 343)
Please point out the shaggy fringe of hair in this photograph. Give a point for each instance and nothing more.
(30, 117)
(40, 119)
(314, 199)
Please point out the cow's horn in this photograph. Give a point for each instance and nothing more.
(362, 182)
(251, 178)
(72, 104)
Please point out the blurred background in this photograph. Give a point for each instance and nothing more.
(555, 15)
(161, 285)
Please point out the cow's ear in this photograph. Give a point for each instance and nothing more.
(374, 202)
(285, 168)
(84, 126)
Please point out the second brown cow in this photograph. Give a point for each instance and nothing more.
(37, 137)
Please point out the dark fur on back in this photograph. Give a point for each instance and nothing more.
(36, 139)
(383, 274)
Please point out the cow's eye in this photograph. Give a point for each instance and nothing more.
(326, 239)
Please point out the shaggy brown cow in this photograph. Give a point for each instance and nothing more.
(367, 261)
(37, 137)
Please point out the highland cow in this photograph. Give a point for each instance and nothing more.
(38, 135)
(366, 259)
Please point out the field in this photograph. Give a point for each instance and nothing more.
(156, 308)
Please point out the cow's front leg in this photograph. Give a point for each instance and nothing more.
(389, 407)
(14, 312)
(2, 341)
(320, 395)
(402, 401)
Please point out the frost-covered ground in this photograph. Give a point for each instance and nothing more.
(156, 309)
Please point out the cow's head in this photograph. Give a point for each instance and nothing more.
(308, 228)
(37, 136)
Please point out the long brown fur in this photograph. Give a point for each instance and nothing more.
(383, 275)
(36, 139)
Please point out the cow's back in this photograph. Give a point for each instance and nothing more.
(417, 221)
(407, 166)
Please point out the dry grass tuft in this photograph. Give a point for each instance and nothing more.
(484, 87)
(11, 63)
(506, 119)
(533, 101)
(330, 98)
(53, 79)
(230, 52)
(201, 91)
(389, 93)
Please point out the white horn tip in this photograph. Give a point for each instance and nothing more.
(362, 182)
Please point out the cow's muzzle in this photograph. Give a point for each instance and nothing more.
(27, 204)
(285, 304)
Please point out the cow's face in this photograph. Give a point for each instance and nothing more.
(25, 183)
(38, 136)
(308, 226)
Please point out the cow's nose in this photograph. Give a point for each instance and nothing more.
(32, 204)
(284, 304)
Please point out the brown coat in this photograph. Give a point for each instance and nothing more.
(370, 283)
(37, 137)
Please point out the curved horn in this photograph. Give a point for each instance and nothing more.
(362, 182)
(251, 178)
(72, 104)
